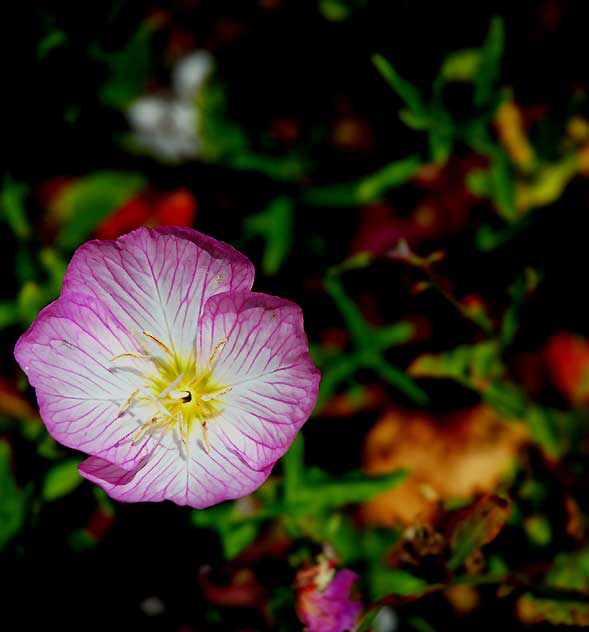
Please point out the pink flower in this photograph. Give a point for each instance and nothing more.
(159, 362)
(323, 600)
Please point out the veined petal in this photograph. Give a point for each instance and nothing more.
(266, 364)
(158, 280)
(201, 480)
(66, 355)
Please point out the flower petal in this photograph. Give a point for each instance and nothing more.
(266, 363)
(200, 481)
(66, 355)
(158, 280)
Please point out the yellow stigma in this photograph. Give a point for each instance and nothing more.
(181, 393)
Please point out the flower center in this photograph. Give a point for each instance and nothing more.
(179, 393)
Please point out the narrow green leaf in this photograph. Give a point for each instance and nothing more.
(406, 90)
(349, 490)
(393, 175)
(351, 314)
(60, 480)
(12, 207)
(276, 226)
(293, 467)
(490, 61)
(400, 380)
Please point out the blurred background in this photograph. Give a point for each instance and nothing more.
(416, 176)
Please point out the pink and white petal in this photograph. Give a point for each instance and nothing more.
(266, 363)
(66, 355)
(159, 280)
(201, 480)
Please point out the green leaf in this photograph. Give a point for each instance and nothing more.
(13, 501)
(129, 68)
(276, 226)
(335, 373)
(461, 65)
(393, 335)
(293, 467)
(12, 207)
(476, 526)
(396, 581)
(393, 175)
(472, 365)
(503, 185)
(570, 571)
(489, 66)
(237, 537)
(53, 39)
(399, 379)
(518, 291)
(351, 314)
(86, 202)
(347, 490)
(60, 480)
(9, 314)
(407, 91)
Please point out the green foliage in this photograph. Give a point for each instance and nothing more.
(477, 526)
(12, 208)
(13, 500)
(275, 225)
(129, 68)
(89, 200)
(489, 65)
(304, 502)
(370, 344)
(61, 479)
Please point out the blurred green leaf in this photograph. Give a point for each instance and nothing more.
(503, 185)
(129, 68)
(489, 66)
(12, 207)
(352, 316)
(461, 65)
(367, 189)
(60, 480)
(472, 365)
(399, 379)
(276, 226)
(517, 292)
(346, 490)
(293, 467)
(9, 314)
(31, 299)
(89, 200)
(396, 581)
(393, 335)
(13, 500)
(55, 267)
(406, 90)
(235, 538)
(53, 39)
(476, 526)
(393, 175)
(570, 571)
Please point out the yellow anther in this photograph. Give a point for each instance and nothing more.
(125, 407)
(216, 352)
(158, 342)
(140, 356)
